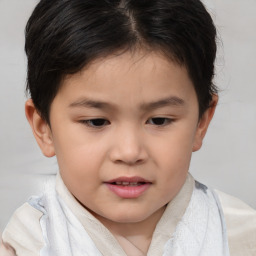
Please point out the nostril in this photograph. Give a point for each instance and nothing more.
(129, 152)
(130, 163)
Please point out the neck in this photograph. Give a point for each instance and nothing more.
(136, 234)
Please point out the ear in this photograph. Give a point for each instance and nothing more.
(41, 129)
(204, 123)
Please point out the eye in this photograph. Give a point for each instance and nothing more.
(95, 123)
(159, 121)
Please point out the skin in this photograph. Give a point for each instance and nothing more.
(6, 250)
(150, 130)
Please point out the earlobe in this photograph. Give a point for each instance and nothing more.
(204, 123)
(40, 128)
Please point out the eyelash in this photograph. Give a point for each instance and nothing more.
(101, 122)
(95, 123)
(163, 121)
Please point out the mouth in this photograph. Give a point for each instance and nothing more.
(126, 183)
(128, 187)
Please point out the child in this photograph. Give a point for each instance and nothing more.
(122, 94)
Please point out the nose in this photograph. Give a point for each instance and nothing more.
(128, 147)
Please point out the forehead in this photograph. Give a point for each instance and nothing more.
(129, 77)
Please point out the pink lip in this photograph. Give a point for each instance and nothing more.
(128, 179)
(128, 191)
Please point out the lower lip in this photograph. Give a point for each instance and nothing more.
(128, 191)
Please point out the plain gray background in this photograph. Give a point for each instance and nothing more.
(227, 160)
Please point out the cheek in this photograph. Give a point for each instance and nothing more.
(78, 159)
(175, 148)
(81, 160)
(173, 155)
(80, 168)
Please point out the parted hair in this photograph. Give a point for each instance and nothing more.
(64, 36)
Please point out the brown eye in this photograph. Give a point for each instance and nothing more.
(97, 122)
(159, 121)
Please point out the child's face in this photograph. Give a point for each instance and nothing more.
(123, 131)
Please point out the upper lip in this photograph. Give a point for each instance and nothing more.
(135, 179)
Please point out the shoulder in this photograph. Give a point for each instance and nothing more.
(241, 225)
(23, 232)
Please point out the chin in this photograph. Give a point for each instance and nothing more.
(129, 217)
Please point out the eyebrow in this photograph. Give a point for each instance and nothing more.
(165, 102)
(87, 103)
